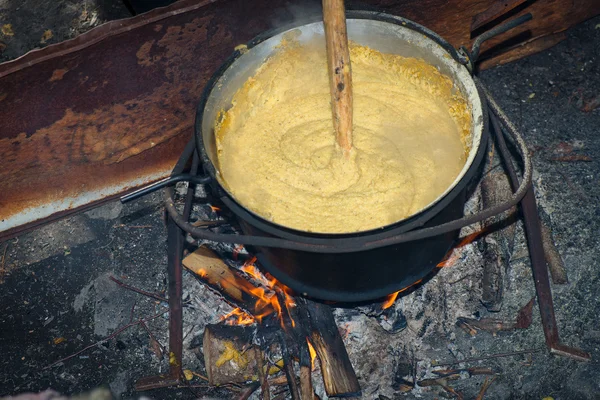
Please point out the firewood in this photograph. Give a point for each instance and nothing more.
(523, 321)
(306, 387)
(211, 270)
(498, 243)
(556, 265)
(229, 355)
(338, 374)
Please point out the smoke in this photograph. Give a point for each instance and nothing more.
(310, 10)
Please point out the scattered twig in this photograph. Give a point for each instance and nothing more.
(460, 279)
(229, 386)
(523, 321)
(133, 226)
(414, 368)
(247, 392)
(204, 378)
(572, 158)
(98, 343)
(189, 331)
(471, 371)
(443, 383)
(132, 310)
(453, 392)
(140, 291)
(498, 355)
(484, 387)
(154, 339)
(438, 381)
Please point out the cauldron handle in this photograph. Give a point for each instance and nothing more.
(349, 245)
(469, 58)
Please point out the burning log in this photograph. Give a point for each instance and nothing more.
(237, 290)
(229, 355)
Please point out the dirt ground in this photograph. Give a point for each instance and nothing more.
(57, 298)
(30, 24)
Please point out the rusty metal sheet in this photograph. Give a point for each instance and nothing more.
(111, 110)
(85, 120)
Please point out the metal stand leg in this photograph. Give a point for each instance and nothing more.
(533, 232)
(175, 240)
(175, 243)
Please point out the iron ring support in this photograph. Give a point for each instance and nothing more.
(359, 244)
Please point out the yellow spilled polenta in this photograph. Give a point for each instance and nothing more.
(276, 145)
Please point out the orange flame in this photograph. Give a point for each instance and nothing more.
(390, 300)
(267, 301)
(242, 318)
(201, 272)
(454, 254)
(313, 354)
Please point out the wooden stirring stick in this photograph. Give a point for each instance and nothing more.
(340, 73)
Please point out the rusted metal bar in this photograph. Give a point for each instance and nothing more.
(498, 9)
(533, 232)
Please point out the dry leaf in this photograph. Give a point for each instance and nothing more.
(189, 375)
(7, 30)
(47, 35)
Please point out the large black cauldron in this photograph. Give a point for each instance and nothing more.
(355, 274)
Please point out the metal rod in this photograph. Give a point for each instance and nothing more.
(164, 183)
(495, 32)
(175, 243)
(533, 233)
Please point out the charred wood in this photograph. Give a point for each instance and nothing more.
(556, 265)
(498, 243)
(338, 374)
(523, 321)
(212, 271)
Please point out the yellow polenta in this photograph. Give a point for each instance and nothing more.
(277, 153)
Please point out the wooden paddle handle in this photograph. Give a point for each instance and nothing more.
(340, 72)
